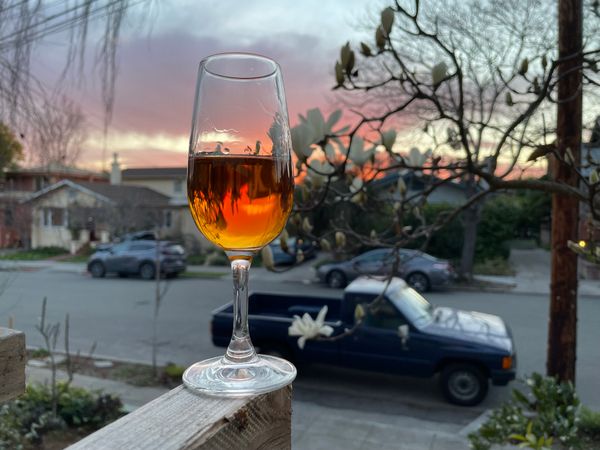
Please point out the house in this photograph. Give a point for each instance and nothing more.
(169, 181)
(18, 185)
(70, 214)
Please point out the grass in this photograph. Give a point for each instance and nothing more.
(205, 275)
(137, 375)
(494, 266)
(35, 254)
(76, 259)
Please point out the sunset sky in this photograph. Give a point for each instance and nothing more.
(158, 64)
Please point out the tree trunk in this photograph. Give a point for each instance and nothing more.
(471, 218)
(562, 331)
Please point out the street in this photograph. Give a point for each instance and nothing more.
(117, 315)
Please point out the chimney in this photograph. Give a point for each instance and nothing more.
(115, 170)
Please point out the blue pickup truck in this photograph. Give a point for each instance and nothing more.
(405, 335)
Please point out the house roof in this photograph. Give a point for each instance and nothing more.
(129, 194)
(141, 196)
(154, 172)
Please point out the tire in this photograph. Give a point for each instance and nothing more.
(464, 384)
(418, 281)
(147, 271)
(97, 269)
(336, 279)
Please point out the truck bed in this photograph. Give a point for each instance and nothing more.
(287, 306)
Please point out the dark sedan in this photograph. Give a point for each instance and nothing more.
(421, 271)
(138, 257)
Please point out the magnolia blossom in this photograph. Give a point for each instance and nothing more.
(308, 328)
(357, 154)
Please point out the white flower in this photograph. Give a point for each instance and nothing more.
(357, 154)
(309, 328)
(302, 141)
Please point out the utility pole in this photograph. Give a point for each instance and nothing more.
(562, 330)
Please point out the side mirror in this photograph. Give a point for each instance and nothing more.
(403, 334)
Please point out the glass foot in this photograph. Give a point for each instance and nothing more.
(219, 377)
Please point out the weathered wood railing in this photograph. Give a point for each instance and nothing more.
(12, 364)
(181, 420)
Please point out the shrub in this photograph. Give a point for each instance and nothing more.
(25, 420)
(550, 410)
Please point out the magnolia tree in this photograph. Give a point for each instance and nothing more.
(473, 83)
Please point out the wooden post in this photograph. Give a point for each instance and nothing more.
(12, 364)
(181, 420)
(562, 330)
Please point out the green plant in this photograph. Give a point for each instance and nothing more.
(589, 423)
(25, 420)
(172, 370)
(197, 259)
(40, 353)
(549, 412)
(530, 440)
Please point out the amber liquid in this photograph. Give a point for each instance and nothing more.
(240, 202)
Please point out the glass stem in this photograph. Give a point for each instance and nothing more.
(240, 348)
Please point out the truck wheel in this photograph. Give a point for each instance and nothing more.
(463, 384)
(97, 269)
(336, 279)
(418, 281)
(147, 271)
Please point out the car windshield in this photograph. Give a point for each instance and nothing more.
(414, 307)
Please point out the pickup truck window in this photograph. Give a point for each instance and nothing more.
(416, 309)
(384, 316)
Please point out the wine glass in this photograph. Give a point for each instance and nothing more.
(240, 193)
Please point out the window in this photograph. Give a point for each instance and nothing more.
(385, 315)
(54, 217)
(168, 219)
(178, 186)
(9, 218)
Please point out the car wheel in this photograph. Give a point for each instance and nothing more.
(97, 269)
(464, 384)
(418, 281)
(147, 271)
(336, 279)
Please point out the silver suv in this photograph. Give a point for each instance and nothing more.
(138, 257)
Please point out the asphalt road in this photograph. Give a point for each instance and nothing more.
(116, 314)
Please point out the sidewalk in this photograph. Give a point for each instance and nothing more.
(532, 268)
(315, 427)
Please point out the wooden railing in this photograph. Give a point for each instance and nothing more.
(181, 420)
(12, 364)
(178, 420)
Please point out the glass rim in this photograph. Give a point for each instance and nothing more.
(233, 55)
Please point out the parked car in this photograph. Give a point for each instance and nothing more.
(138, 257)
(405, 336)
(134, 236)
(420, 270)
(282, 257)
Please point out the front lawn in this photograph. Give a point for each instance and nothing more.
(35, 254)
